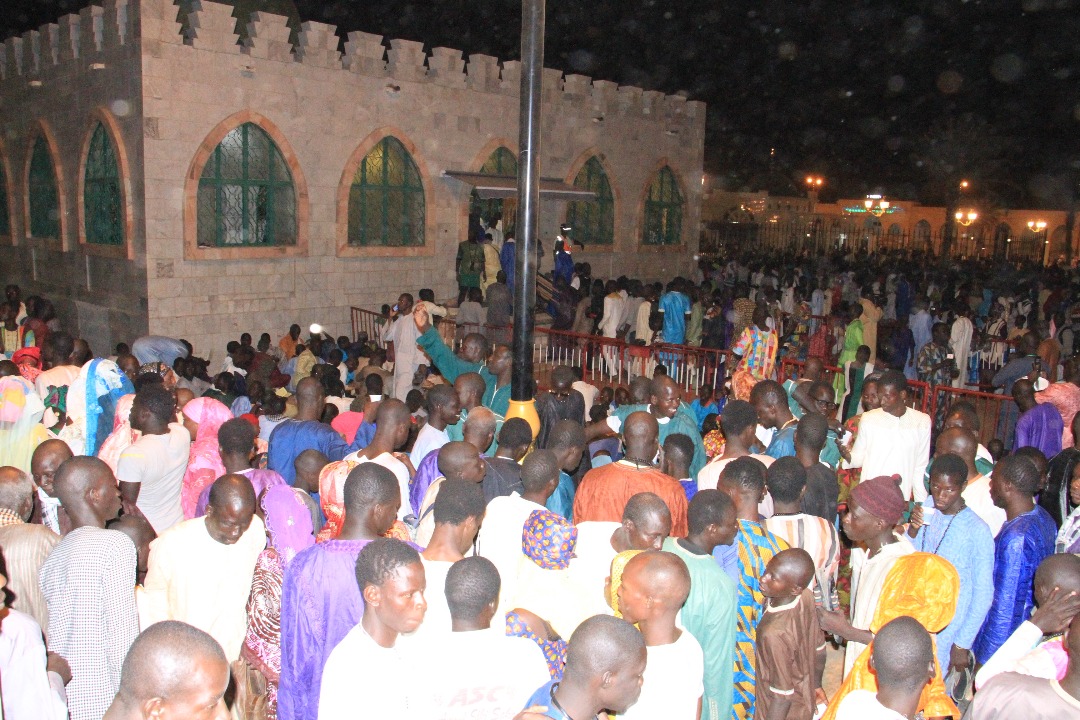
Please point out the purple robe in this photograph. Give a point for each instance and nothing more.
(1021, 545)
(1040, 427)
(426, 473)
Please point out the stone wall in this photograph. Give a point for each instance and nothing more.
(325, 108)
(61, 80)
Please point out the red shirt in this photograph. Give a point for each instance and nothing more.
(604, 492)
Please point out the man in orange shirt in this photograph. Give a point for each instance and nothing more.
(604, 491)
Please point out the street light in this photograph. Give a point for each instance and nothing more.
(814, 182)
(876, 205)
(1036, 226)
(966, 218)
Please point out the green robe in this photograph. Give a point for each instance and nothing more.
(709, 614)
(451, 366)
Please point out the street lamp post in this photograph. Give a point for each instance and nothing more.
(522, 403)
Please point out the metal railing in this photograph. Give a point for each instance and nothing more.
(614, 362)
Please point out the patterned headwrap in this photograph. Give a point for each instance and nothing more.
(554, 649)
(288, 521)
(549, 540)
(618, 564)
(56, 399)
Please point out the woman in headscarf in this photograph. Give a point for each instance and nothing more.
(924, 587)
(288, 530)
(91, 405)
(122, 434)
(21, 430)
(29, 362)
(202, 417)
(332, 501)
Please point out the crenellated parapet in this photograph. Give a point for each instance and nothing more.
(82, 38)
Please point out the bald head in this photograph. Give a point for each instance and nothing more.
(640, 389)
(479, 428)
(458, 461)
(392, 414)
(1057, 571)
(77, 478)
(903, 655)
(235, 490)
(794, 567)
(645, 507)
(663, 577)
(310, 395)
(960, 442)
(172, 664)
(601, 644)
(470, 389)
(16, 492)
(47, 458)
(640, 432)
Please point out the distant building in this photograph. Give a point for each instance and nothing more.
(154, 179)
(777, 222)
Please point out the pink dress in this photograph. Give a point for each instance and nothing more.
(204, 463)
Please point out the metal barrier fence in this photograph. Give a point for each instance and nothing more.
(610, 361)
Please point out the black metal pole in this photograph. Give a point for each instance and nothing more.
(532, 65)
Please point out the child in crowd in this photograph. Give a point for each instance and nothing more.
(790, 646)
(704, 405)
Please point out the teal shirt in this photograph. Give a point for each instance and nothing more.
(451, 366)
(683, 422)
(709, 614)
(561, 501)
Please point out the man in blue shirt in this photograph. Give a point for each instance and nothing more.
(770, 402)
(304, 432)
(675, 307)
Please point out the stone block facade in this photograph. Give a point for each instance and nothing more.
(168, 100)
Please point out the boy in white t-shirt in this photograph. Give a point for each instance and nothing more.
(480, 673)
(654, 586)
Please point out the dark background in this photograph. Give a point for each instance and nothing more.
(904, 97)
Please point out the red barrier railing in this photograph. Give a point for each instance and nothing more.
(997, 413)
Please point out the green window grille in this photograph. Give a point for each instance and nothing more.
(386, 200)
(501, 163)
(663, 210)
(5, 219)
(592, 222)
(246, 193)
(102, 208)
(44, 196)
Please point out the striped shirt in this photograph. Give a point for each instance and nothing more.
(818, 538)
(25, 548)
(89, 584)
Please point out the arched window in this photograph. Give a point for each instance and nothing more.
(5, 217)
(663, 210)
(246, 193)
(386, 200)
(44, 197)
(501, 163)
(592, 222)
(102, 202)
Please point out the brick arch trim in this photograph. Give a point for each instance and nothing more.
(12, 198)
(112, 128)
(191, 193)
(349, 171)
(44, 129)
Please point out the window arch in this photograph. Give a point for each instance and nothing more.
(43, 195)
(592, 221)
(663, 210)
(103, 210)
(246, 193)
(502, 163)
(387, 207)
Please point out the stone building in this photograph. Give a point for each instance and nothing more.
(184, 183)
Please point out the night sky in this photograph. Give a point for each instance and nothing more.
(894, 96)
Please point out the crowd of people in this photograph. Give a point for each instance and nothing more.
(352, 527)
